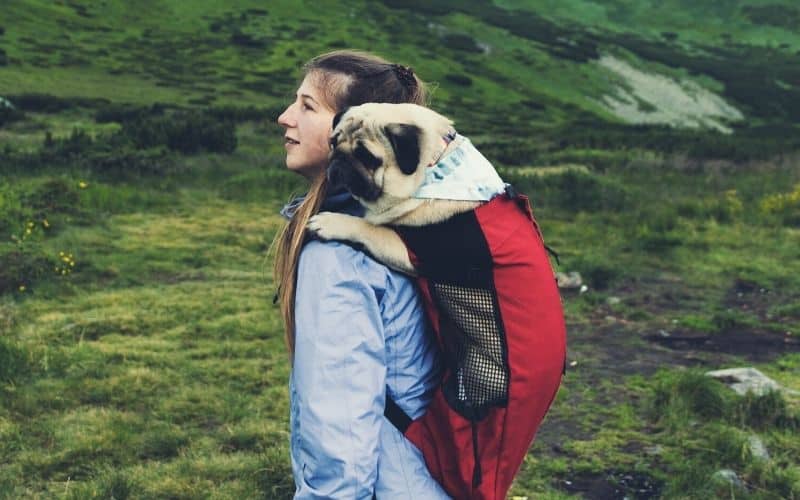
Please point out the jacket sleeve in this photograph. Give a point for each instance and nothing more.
(339, 373)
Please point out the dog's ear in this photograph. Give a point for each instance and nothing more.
(405, 143)
(337, 117)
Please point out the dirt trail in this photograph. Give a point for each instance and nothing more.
(607, 349)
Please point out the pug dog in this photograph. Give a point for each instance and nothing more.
(380, 153)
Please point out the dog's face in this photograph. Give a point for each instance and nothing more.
(379, 151)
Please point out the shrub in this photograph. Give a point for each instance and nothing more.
(121, 113)
(241, 114)
(765, 411)
(725, 208)
(462, 80)
(46, 103)
(784, 207)
(572, 190)
(690, 394)
(22, 265)
(9, 114)
(461, 42)
(598, 272)
(129, 163)
(186, 132)
(246, 40)
(781, 16)
(511, 151)
(54, 195)
(13, 361)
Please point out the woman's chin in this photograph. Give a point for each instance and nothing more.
(310, 172)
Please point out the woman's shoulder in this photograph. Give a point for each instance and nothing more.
(338, 258)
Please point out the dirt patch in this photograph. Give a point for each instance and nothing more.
(752, 345)
(743, 297)
(613, 484)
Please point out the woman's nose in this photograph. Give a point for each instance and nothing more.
(286, 119)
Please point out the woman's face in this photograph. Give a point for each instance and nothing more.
(308, 123)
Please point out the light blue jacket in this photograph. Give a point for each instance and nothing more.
(360, 330)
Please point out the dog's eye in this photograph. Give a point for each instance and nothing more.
(366, 157)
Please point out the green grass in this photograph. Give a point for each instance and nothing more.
(156, 368)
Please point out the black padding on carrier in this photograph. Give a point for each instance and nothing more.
(455, 259)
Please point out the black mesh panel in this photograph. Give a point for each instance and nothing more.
(475, 348)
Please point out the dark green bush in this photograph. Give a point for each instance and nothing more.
(782, 16)
(461, 42)
(677, 397)
(121, 113)
(246, 40)
(22, 265)
(572, 190)
(510, 151)
(9, 115)
(462, 80)
(765, 411)
(186, 132)
(46, 103)
(596, 273)
(241, 114)
(13, 361)
(54, 195)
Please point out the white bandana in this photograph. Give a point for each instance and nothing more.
(464, 174)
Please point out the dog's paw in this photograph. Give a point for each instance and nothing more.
(332, 226)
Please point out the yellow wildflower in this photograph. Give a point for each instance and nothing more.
(82, 185)
(45, 223)
(27, 231)
(22, 288)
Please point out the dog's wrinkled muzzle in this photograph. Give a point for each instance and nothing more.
(342, 172)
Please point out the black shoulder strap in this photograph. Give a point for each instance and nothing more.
(396, 415)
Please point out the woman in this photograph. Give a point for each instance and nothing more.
(355, 329)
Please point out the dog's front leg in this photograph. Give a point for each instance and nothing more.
(383, 243)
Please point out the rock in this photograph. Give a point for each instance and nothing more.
(612, 301)
(569, 280)
(757, 448)
(728, 476)
(654, 450)
(746, 379)
(5, 103)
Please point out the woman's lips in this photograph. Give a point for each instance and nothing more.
(290, 142)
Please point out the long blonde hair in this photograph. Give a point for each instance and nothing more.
(347, 78)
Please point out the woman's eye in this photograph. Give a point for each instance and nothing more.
(306, 106)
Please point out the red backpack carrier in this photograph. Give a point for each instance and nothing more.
(491, 295)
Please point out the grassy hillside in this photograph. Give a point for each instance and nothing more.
(141, 172)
